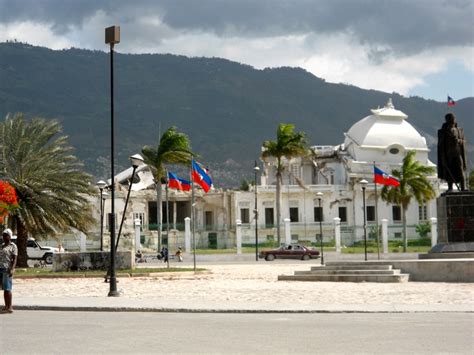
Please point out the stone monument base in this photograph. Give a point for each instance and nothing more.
(455, 223)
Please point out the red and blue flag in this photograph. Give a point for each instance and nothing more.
(200, 176)
(381, 177)
(175, 182)
(451, 102)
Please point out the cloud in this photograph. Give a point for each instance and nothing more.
(405, 26)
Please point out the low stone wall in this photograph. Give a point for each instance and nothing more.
(91, 261)
(437, 270)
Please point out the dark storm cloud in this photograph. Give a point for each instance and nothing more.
(407, 26)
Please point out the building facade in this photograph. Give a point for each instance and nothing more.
(382, 139)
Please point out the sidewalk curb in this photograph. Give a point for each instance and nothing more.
(223, 311)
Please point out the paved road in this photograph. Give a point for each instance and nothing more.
(26, 332)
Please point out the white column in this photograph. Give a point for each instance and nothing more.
(287, 230)
(238, 235)
(83, 242)
(137, 223)
(337, 233)
(434, 231)
(385, 235)
(187, 234)
(175, 213)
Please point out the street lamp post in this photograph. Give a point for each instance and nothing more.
(256, 169)
(320, 196)
(112, 36)
(104, 197)
(136, 160)
(101, 185)
(364, 183)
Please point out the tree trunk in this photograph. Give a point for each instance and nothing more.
(22, 241)
(278, 205)
(158, 212)
(404, 220)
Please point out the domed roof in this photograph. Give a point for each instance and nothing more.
(383, 136)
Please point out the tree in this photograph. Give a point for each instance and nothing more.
(173, 148)
(413, 184)
(471, 180)
(288, 144)
(51, 187)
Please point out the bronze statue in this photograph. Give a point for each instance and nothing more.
(451, 153)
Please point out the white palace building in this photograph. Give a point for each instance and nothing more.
(382, 138)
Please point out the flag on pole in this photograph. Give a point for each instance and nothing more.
(175, 182)
(451, 102)
(200, 176)
(381, 177)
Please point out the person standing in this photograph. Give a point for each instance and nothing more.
(179, 254)
(451, 153)
(164, 252)
(8, 257)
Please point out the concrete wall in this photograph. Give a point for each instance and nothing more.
(91, 261)
(440, 270)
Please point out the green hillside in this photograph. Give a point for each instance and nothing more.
(226, 108)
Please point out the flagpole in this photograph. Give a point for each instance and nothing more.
(377, 216)
(167, 220)
(193, 214)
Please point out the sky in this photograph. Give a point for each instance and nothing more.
(412, 47)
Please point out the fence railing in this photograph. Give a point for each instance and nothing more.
(224, 237)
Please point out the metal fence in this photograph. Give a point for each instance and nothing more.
(223, 237)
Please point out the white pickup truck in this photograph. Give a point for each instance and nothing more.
(36, 251)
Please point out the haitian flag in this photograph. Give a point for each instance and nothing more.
(451, 102)
(200, 176)
(175, 182)
(381, 177)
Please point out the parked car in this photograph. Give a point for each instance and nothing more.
(36, 251)
(293, 251)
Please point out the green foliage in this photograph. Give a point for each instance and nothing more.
(288, 144)
(373, 232)
(423, 229)
(471, 180)
(244, 185)
(51, 186)
(224, 107)
(413, 184)
(173, 147)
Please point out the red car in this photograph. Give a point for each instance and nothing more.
(293, 251)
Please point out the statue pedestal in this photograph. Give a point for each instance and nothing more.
(455, 222)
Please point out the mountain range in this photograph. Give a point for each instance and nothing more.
(226, 108)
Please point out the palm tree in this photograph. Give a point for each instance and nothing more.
(413, 183)
(52, 189)
(173, 148)
(288, 144)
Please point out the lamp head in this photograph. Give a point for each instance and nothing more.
(363, 183)
(319, 195)
(101, 184)
(136, 160)
(112, 35)
(256, 169)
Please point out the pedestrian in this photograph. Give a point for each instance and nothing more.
(164, 253)
(8, 257)
(179, 254)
